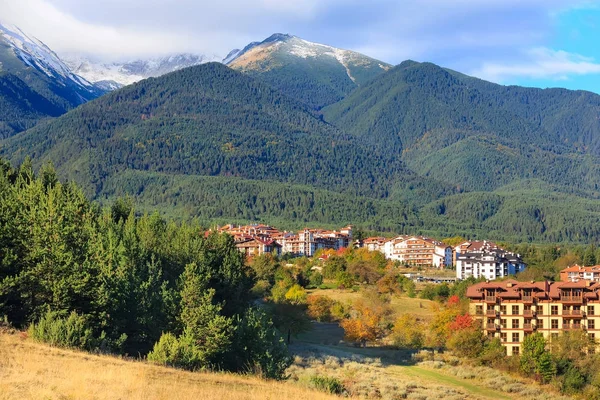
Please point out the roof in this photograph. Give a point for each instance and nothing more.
(511, 288)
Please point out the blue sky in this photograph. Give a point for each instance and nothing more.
(543, 43)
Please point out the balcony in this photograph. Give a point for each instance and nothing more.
(572, 299)
(490, 299)
(572, 327)
(527, 299)
(491, 313)
(492, 327)
(528, 327)
(528, 313)
(576, 314)
(572, 313)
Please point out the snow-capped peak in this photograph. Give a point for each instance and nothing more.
(127, 72)
(253, 55)
(34, 53)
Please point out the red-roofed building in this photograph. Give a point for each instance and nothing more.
(577, 273)
(255, 246)
(511, 310)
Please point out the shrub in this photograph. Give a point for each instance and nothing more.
(345, 280)
(408, 332)
(261, 289)
(174, 352)
(296, 295)
(70, 332)
(327, 384)
(319, 308)
(316, 279)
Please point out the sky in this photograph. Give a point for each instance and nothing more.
(542, 43)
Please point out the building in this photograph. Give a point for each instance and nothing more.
(419, 251)
(577, 273)
(483, 259)
(512, 310)
(255, 246)
(375, 243)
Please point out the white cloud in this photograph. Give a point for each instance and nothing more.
(442, 31)
(540, 63)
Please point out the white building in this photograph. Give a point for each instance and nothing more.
(485, 259)
(418, 251)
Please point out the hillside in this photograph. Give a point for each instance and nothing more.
(313, 73)
(34, 83)
(29, 372)
(209, 120)
(475, 134)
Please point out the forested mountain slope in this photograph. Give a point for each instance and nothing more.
(211, 120)
(475, 134)
(419, 149)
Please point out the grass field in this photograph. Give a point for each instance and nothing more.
(34, 371)
(394, 374)
(400, 304)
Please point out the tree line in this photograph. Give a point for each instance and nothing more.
(106, 279)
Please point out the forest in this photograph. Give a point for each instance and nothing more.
(108, 280)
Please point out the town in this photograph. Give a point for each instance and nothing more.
(478, 259)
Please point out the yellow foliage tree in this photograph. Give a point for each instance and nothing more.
(365, 326)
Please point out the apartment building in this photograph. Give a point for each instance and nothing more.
(511, 310)
(577, 273)
(376, 243)
(486, 259)
(256, 246)
(419, 251)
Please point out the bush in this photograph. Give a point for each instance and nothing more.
(345, 280)
(327, 384)
(70, 332)
(261, 289)
(257, 347)
(316, 279)
(319, 308)
(174, 352)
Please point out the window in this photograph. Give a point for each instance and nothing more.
(515, 337)
(592, 336)
(503, 310)
(503, 336)
(515, 350)
(503, 323)
(591, 324)
(479, 310)
(554, 324)
(590, 310)
(515, 324)
(554, 310)
(540, 324)
(554, 335)
(515, 310)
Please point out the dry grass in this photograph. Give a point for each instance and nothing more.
(34, 371)
(400, 304)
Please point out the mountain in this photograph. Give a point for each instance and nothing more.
(34, 83)
(416, 149)
(476, 134)
(114, 75)
(210, 121)
(313, 73)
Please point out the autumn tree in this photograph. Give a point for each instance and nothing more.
(408, 332)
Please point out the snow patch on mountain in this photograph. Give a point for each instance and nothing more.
(34, 53)
(128, 72)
